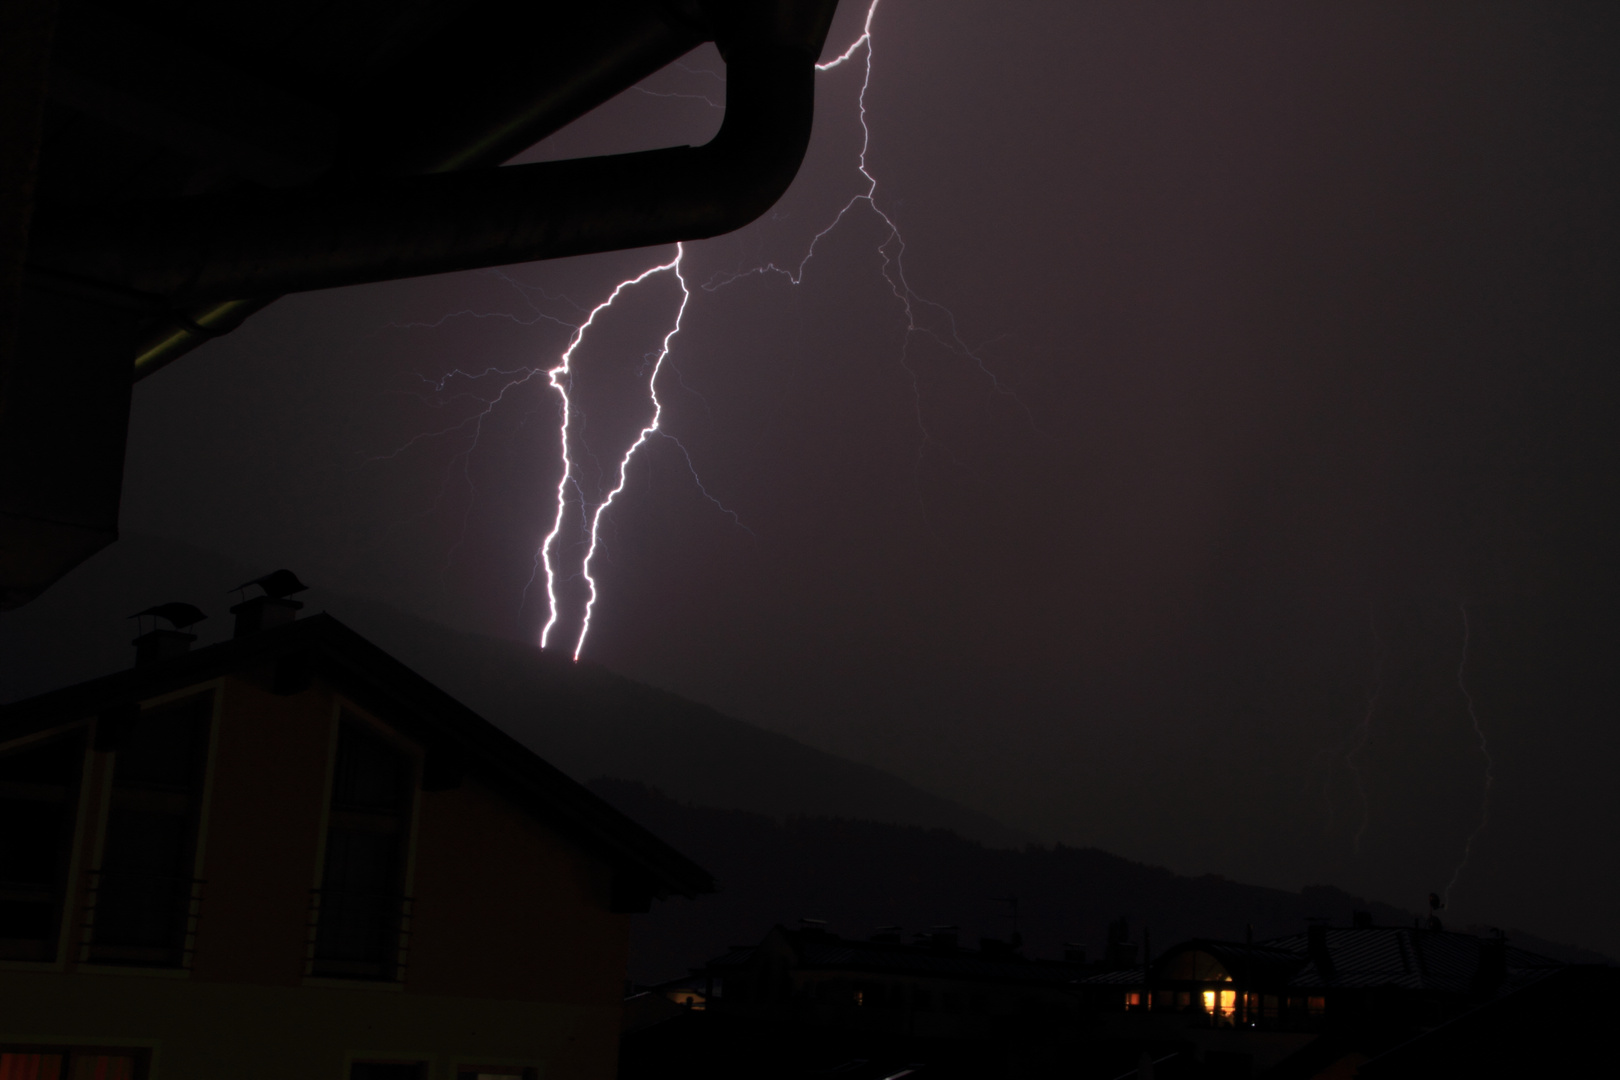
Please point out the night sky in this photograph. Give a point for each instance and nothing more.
(1273, 341)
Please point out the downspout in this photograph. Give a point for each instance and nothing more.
(218, 248)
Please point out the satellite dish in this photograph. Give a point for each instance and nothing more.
(278, 583)
(179, 615)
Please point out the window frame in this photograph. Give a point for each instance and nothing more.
(106, 766)
(344, 711)
(79, 800)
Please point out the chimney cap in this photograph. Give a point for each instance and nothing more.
(177, 613)
(277, 583)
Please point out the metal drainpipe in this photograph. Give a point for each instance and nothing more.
(296, 240)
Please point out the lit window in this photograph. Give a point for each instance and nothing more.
(1228, 1002)
(1209, 1001)
(1316, 1006)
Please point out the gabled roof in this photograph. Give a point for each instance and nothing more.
(454, 738)
(1406, 957)
(1362, 957)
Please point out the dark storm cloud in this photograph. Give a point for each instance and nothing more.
(1309, 315)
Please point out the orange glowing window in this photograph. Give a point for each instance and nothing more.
(1316, 1006)
(1228, 1002)
(1209, 1001)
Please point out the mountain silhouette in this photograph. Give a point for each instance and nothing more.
(584, 719)
(861, 875)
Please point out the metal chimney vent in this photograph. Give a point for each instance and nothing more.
(272, 608)
(159, 644)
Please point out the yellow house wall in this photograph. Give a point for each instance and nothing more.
(513, 955)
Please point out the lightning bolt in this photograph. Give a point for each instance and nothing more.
(1485, 752)
(892, 250)
(922, 316)
(559, 377)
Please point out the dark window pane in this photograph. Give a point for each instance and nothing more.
(371, 775)
(163, 748)
(361, 861)
(30, 840)
(144, 887)
(360, 898)
(145, 880)
(361, 895)
(56, 761)
(38, 807)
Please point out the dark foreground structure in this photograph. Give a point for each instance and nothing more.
(288, 855)
(167, 170)
(1335, 1002)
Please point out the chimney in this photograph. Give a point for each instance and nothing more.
(273, 608)
(158, 644)
(1316, 947)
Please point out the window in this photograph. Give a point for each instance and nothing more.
(39, 805)
(70, 1063)
(361, 904)
(145, 890)
(497, 1072)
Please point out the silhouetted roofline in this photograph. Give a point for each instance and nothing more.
(452, 736)
(820, 950)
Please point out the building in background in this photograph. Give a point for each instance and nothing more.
(1331, 997)
(289, 855)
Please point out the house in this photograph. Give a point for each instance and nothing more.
(808, 1002)
(934, 988)
(1308, 1004)
(1326, 977)
(289, 855)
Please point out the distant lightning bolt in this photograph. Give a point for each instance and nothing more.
(1364, 731)
(1485, 752)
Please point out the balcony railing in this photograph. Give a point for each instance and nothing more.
(358, 934)
(141, 919)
